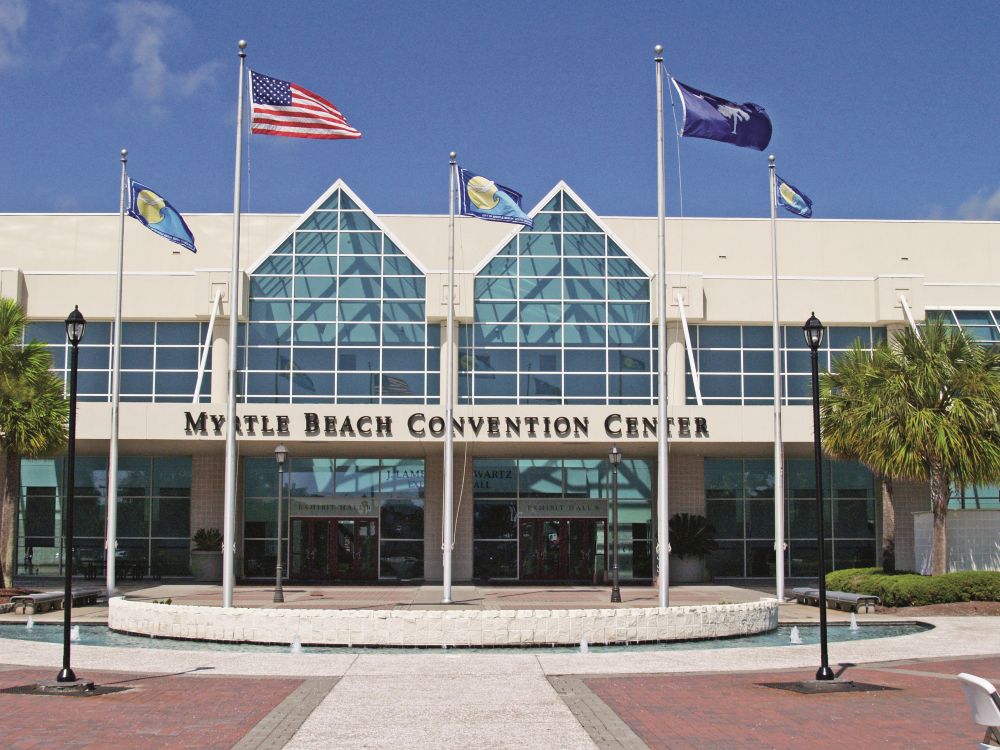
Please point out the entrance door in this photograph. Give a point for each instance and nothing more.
(562, 549)
(334, 549)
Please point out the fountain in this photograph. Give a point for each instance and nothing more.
(584, 646)
(854, 623)
(74, 633)
(30, 623)
(794, 638)
(296, 645)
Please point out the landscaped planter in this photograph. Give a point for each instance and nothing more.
(206, 566)
(688, 570)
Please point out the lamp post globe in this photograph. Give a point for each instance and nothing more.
(76, 324)
(614, 458)
(813, 331)
(280, 457)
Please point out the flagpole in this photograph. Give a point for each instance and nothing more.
(111, 533)
(662, 492)
(447, 510)
(779, 460)
(229, 509)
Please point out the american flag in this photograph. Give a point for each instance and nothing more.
(283, 108)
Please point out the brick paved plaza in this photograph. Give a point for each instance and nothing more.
(505, 698)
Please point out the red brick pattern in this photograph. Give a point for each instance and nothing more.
(158, 712)
(706, 712)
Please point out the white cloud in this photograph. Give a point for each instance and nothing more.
(142, 31)
(982, 206)
(13, 19)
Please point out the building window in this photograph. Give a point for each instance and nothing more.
(739, 502)
(980, 325)
(976, 497)
(154, 511)
(159, 361)
(736, 363)
(561, 317)
(337, 316)
(320, 490)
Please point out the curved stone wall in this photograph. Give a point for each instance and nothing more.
(459, 627)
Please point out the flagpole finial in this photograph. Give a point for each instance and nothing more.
(658, 51)
(124, 154)
(452, 155)
(771, 159)
(242, 44)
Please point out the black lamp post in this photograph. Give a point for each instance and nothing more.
(813, 330)
(75, 326)
(615, 457)
(280, 455)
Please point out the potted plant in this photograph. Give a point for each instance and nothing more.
(206, 557)
(692, 538)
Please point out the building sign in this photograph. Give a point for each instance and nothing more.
(366, 507)
(422, 426)
(562, 507)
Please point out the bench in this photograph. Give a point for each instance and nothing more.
(837, 599)
(30, 604)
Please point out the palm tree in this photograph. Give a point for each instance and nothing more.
(921, 408)
(850, 412)
(33, 415)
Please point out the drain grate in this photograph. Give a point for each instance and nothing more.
(821, 687)
(36, 690)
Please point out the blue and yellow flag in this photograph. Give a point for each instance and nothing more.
(489, 200)
(153, 210)
(791, 198)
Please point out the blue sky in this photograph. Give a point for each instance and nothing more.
(880, 110)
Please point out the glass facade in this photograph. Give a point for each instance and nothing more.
(509, 493)
(980, 325)
(154, 516)
(337, 316)
(739, 502)
(388, 490)
(977, 497)
(561, 317)
(736, 363)
(159, 360)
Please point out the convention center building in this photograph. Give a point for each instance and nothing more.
(342, 330)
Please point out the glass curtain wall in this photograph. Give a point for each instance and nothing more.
(739, 502)
(337, 316)
(735, 363)
(389, 489)
(981, 325)
(159, 360)
(561, 317)
(154, 516)
(504, 488)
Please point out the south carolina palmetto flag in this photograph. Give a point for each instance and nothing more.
(285, 108)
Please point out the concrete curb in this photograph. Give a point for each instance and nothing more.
(459, 627)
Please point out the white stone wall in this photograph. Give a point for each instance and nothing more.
(460, 627)
(973, 540)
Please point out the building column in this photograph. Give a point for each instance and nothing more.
(220, 362)
(433, 493)
(676, 364)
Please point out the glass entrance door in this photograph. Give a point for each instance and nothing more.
(334, 549)
(562, 549)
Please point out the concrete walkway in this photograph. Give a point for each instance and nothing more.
(506, 698)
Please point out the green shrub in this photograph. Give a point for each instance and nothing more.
(904, 589)
(207, 540)
(691, 536)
